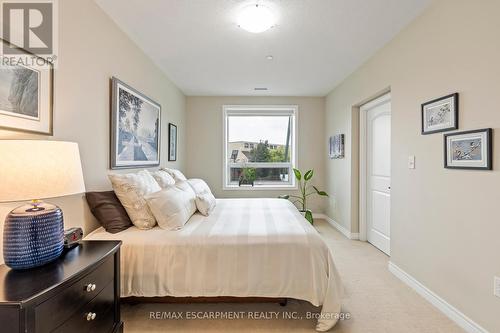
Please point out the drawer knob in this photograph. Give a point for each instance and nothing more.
(91, 316)
(90, 287)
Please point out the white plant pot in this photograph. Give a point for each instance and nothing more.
(303, 213)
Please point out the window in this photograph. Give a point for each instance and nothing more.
(259, 146)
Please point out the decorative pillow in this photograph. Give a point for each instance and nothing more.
(176, 174)
(184, 185)
(108, 211)
(172, 206)
(163, 178)
(205, 200)
(199, 186)
(205, 203)
(131, 188)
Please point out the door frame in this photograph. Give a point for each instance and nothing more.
(363, 110)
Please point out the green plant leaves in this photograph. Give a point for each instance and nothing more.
(309, 216)
(322, 193)
(304, 188)
(297, 173)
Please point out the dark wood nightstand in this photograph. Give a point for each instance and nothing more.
(79, 292)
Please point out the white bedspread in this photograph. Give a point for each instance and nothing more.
(245, 248)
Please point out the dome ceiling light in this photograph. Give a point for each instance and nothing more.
(256, 18)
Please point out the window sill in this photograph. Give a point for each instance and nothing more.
(259, 187)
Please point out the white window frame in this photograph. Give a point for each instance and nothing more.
(260, 110)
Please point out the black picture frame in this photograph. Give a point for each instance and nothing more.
(46, 89)
(117, 84)
(454, 111)
(488, 140)
(172, 142)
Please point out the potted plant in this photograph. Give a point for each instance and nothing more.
(247, 177)
(306, 190)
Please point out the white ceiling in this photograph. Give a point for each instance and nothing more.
(315, 44)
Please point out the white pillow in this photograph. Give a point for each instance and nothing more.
(199, 186)
(205, 203)
(172, 206)
(130, 189)
(176, 174)
(163, 178)
(183, 185)
(205, 200)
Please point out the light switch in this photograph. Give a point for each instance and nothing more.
(411, 162)
(496, 286)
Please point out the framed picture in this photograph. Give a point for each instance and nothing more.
(172, 142)
(336, 145)
(468, 150)
(440, 115)
(26, 95)
(135, 128)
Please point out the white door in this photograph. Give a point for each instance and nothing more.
(377, 126)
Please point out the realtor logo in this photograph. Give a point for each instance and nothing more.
(29, 26)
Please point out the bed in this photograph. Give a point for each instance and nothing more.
(245, 248)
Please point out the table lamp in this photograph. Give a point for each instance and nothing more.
(34, 170)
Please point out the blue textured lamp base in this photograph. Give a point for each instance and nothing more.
(33, 237)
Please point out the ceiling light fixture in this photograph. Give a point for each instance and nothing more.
(269, 57)
(259, 88)
(256, 18)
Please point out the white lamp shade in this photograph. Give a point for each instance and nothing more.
(36, 169)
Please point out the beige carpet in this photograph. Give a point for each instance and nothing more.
(376, 301)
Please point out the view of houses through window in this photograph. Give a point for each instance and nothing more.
(259, 148)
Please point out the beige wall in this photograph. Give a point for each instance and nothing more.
(91, 50)
(204, 141)
(444, 223)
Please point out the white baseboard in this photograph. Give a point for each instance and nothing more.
(449, 310)
(336, 225)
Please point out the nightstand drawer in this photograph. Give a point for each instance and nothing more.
(55, 311)
(95, 317)
(54, 297)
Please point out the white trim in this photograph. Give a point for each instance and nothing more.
(280, 165)
(362, 174)
(277, 187)
(338, 226)
(261, 110)
(449, 310)
(363, 109)
(382, 99)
